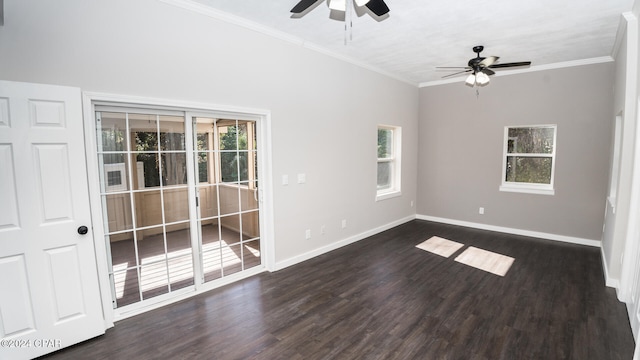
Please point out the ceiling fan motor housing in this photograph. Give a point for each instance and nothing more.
(475, 63)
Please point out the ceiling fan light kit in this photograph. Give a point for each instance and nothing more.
(339, 5)
(479, 79)
(471, 80)
(482, 79)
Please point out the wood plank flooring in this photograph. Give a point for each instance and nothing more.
(383, 298)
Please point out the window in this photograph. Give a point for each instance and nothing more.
(234, 151)
(235, 161)
(388, 185)
(160, 147)
(529, 159)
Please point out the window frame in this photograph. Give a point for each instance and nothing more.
(523, 187)
(394, 189)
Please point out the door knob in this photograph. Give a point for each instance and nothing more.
(83, 230)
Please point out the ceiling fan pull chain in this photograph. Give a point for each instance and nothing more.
(345, 33)
(350, 30)
(348, 24)
(350, 10)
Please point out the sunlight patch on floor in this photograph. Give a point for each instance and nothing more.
(119, 278)
(440, 246)
(485, 260)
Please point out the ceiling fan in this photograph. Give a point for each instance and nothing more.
(481, 68)
(378, 7)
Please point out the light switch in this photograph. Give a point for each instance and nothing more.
(285, 179)
(302, 178)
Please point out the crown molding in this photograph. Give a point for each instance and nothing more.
(242, 22)
(560, 65)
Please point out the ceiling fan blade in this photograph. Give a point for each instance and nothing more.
(378, 7)
(488, 71)
(513, 64)
(457, 73)
(302, 6)
(488, 61)
(452, 67)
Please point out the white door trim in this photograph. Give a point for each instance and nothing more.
(632, 103)
(265, 193)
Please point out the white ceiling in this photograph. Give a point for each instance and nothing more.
(418, 35)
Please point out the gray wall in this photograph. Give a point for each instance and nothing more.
(324, 111)
(460, 149)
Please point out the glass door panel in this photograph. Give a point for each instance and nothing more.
(226, 158)
(144, 194)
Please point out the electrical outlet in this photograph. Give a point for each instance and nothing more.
(307, 234)
(344, 223)
(481, 211)
(323, 230)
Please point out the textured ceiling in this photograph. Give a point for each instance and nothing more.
(418, 35)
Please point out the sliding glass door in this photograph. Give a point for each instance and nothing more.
(158, 241)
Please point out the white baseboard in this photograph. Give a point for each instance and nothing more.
(336, 245)
(541, 235)
(608, 281)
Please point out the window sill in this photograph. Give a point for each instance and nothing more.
(528, 189)
(388, 195)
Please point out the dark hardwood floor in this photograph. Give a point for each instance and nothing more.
(382, 298)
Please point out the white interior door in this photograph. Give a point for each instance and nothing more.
(49, 295)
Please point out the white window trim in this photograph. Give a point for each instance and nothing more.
(396, 179)
(529, 188)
